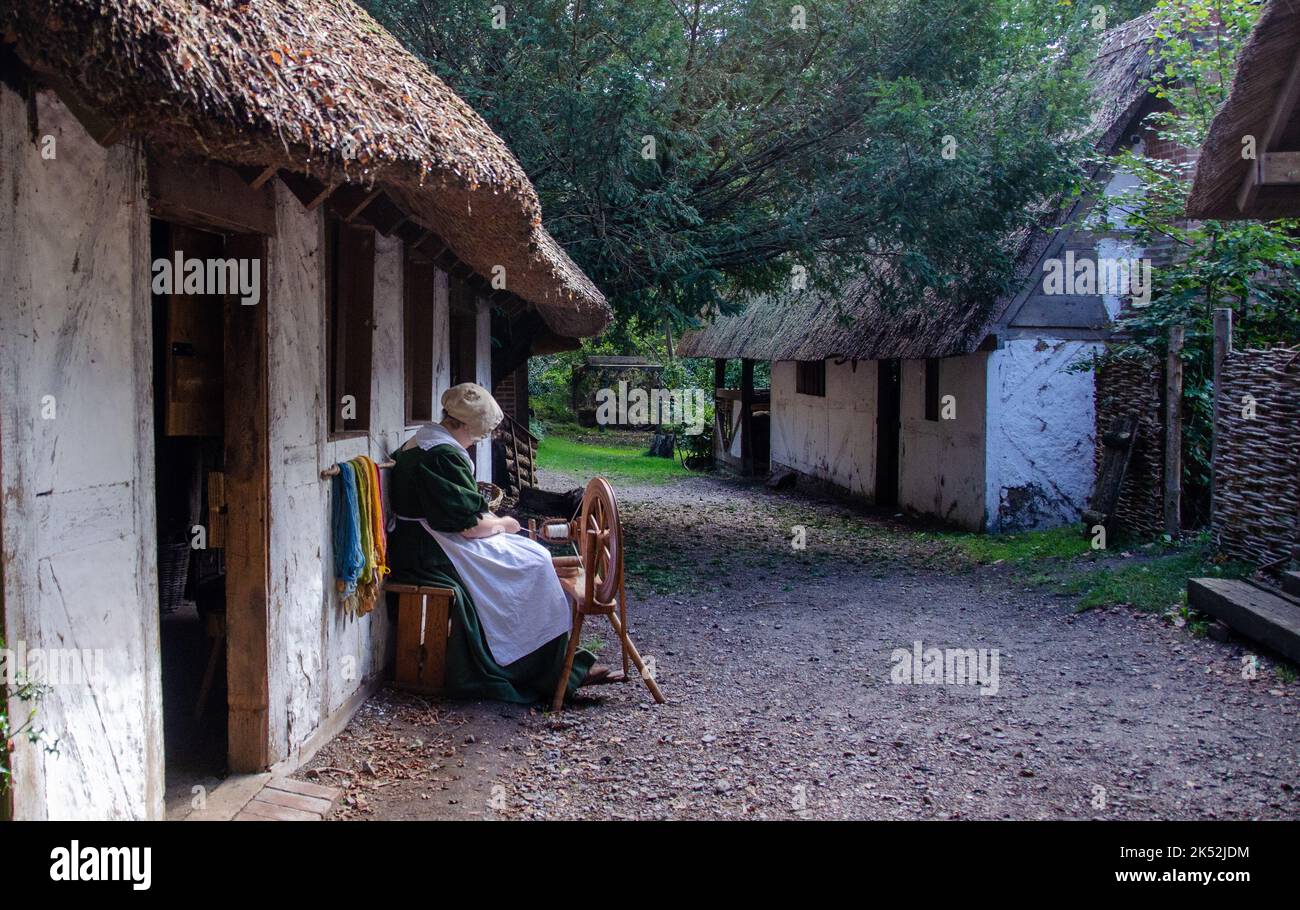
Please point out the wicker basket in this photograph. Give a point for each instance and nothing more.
(173, 572)
(492, 493)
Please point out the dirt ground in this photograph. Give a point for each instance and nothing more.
(777, 666)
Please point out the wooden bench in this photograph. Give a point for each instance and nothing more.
(423, 624)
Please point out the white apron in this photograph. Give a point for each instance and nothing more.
(515, 590)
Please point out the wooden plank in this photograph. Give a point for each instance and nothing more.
(247, 472)
(1073, 311)
(1258, 615)
(294, 801)
(1291, 583)
(305, 788)
(192, 344)
(1283, 107)
(1118, 443)
(436, 627)
(1174, 432)
(410, 621)
(1279, 168)
(206, 194)
(216, 510)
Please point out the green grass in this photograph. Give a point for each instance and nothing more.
(1023, 548)
(612, 460)
(1155, 584)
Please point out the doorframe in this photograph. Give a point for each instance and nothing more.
(212, 197)
(247, 492)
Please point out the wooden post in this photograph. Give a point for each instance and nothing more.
(247, 543)
(746, 416)
(719, 375)
(1222, 348)
(1174, 432)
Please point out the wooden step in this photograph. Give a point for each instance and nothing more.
(1255, 613)
(1291, 583)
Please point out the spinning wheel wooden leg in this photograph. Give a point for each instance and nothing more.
(622, 615)
(630, 649)
(563, 683)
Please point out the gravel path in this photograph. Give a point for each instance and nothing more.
(777, 666)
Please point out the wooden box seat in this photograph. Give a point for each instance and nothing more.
(423, 624)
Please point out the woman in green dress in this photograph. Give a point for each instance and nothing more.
(510, 619)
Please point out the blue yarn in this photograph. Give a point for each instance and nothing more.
(348, 558)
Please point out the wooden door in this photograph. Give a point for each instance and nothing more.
(193, 347)
(888, 431)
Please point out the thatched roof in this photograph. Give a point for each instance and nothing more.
(315, 87)
(854, 324)
(1265, 64)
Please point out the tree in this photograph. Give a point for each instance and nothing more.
(687, 153)
(1249, 266)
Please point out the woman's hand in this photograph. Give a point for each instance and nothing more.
(491, 524)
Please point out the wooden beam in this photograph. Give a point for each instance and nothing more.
(1283, 107)
(1222, 348)
(1279, 169)
(1174, 432)
(747, 415)
(1259, 615)
(210, 195)
(256, 177)
(309, 191)
(382, 213)
(247, 480)
(350, 200)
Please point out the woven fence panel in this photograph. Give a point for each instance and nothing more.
(1135, 386)
(1255, 463)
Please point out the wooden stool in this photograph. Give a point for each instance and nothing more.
(423, 624)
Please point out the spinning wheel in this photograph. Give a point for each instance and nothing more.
(597, 588)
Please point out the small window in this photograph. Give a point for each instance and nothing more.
(932, 389)
(351, 287)
(811, 379)
(418, 341)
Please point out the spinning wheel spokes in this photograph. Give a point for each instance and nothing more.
(601, 545)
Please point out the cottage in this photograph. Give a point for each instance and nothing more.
(972, 411)
(397, 249)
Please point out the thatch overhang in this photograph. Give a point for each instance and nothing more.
(855, 325)
(1263, 103)
(318, 92)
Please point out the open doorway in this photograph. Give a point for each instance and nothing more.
(889, 412)
(210, 468)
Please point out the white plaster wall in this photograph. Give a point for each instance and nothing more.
(483, 376)
(1041, 434)
(832, 438)
(941, 462)
(77, 513)
(319, 655)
